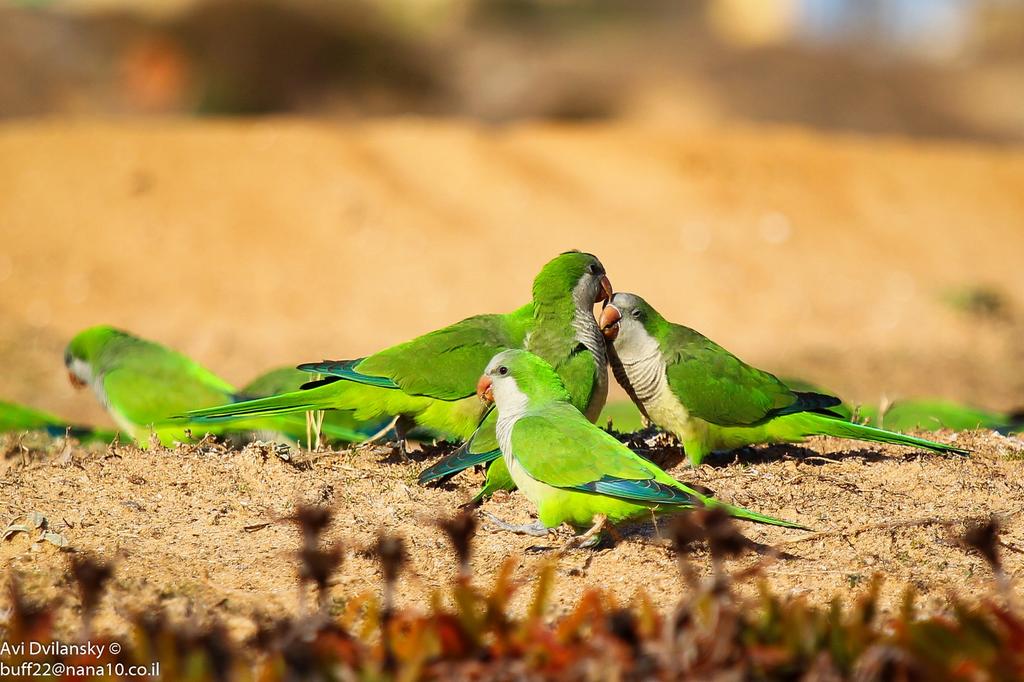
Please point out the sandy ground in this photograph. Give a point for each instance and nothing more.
(199, 531)
(249, 245)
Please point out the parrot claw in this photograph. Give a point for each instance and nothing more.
(590, 543)
(535, 529)
(592, 538)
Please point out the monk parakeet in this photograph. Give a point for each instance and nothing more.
(573, 471)
(935, 415)
(431, 380)
(711, 400)
(923, 414)
(15, 417)
(141, 383)
(338, 425)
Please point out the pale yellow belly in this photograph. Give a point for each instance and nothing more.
(670, 415)
(535, 491)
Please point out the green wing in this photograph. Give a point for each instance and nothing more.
(716, 386)
(561, 448)
(558, 446)
(840, 409)
(579, 374)
(447, 363)
(147, 382)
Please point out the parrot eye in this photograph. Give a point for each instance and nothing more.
(592, 268)
(637, 314)
(503, 370)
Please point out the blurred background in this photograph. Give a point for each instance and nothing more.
(941, 68)
(831, 188)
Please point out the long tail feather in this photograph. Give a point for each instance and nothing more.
(843, 429)
(737, 512)
(748, 515)
(296, 401)
(336, 432)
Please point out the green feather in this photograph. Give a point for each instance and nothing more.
(551, 337)
(713, 401)
(432, 378)
(571, 469)
(142, 383)
(446, 364)
(935, 415)
(340, 426)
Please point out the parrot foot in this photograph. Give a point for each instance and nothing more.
(403, 425)
(535, 529)
(590, 539)
(383, 433)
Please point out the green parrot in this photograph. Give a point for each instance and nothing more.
(430, 381)
(923, 414)
(936, 414)
(15, 417)
(704, 395)
(573, 471)
(338, 425)
(140, 382)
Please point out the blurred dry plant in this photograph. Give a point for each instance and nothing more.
(474, 633)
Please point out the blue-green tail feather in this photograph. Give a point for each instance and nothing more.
(449, 465)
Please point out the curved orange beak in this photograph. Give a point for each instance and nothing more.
(483, 389)
(75, 381)
(606, 291)
(609, 322)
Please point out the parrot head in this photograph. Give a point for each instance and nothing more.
(575, 271)
(516, 379)
(82, 352)
(627, 319)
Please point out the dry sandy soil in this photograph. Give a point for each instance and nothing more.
(249, 245)
(200, 531)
